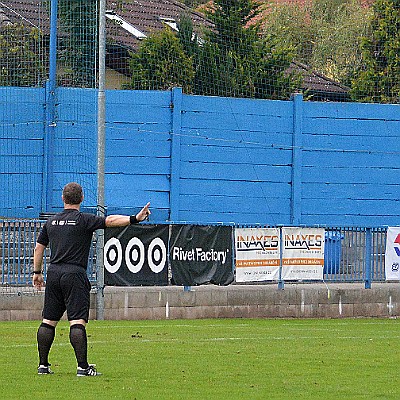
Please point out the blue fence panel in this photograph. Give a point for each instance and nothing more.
(349, 151)
(204, 159)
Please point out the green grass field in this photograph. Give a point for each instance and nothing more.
(210, 359)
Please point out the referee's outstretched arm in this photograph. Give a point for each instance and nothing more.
(125, 220)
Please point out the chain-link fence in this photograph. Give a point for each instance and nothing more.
(331, 50)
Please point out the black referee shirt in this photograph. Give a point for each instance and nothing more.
(69, 234)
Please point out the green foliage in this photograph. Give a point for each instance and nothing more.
(234, 61)
(379, 81)
(232, 29)
(290, 23)
(20, 61)
(229, 60)
(187, 37)
(193, 3)
(77, 53)
(326, 10)
(161, 63)
(325, 34)
(259, 74)
(336, 52)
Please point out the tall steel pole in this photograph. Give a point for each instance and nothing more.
(48, 175)
(101, 158)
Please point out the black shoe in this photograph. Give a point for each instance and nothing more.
(89, 371)
(44, 370)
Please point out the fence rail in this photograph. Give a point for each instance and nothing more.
(17, 243)
(352, 254)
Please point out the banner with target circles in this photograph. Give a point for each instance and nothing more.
(136, 255)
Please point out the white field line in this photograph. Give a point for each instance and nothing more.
(293, 326)
(215, 339)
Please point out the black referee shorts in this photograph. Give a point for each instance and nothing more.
(67, 289)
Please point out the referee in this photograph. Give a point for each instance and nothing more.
(69, 234)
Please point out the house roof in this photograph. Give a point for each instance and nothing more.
(147, 16)
(320, 86)
(27, 12)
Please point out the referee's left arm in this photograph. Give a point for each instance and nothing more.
(113, 221)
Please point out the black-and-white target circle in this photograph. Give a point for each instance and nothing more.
(157, 255)
(113, 255)
(135, 255)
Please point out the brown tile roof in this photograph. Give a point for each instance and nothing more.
(320, 87)
(146, 16)
(27, 12)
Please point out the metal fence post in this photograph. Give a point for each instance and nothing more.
(101, 161)
(50, 93)
(368, 258)
(281, 283)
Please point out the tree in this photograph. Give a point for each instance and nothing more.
(21, 61)
(326, 10)
(161, 63)
(336, 52)
(228, 60)
(234, 61)
(77, 53)
(324, 34)
(379, 81)
(187, 37)
(193, 3)
(291, 24)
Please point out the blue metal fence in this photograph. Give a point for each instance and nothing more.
(355, 254)
(352, 254)
(17, 243)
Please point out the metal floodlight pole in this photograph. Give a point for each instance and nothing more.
(101, 158)
(53, 44)
(48, 175)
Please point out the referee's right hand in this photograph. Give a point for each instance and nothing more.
(38, 281)
(143, 213)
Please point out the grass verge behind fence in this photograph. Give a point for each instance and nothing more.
(210, 359)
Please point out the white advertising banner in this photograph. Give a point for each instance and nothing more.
(392, 254)
(303, 253)
(257, 254)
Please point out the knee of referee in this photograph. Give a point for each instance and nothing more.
(77, 322)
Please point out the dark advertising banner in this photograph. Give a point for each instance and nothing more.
(201, 254)
(136, 255)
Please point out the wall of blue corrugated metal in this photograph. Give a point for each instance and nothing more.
(206, 159)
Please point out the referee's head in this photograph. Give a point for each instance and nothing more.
(72, 193)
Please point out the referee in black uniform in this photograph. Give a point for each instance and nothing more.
(69, 235)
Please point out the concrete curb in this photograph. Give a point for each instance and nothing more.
(298, 300)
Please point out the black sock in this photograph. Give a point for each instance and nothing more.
(45, 337)
(78, 339)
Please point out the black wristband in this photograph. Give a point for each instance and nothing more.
(133, 219)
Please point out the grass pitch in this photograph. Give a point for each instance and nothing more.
(210, 359)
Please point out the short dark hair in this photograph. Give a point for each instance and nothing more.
(72, 193)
